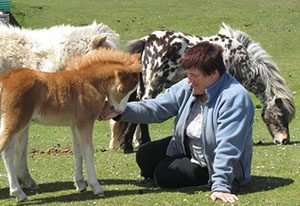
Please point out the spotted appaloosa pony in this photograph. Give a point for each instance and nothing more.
(73, 97)
(244, 59)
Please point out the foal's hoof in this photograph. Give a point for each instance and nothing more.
(82, 190)
(20, 197)
(28, 183)
(31, 186)
(97, 190)
(101, 195)
(23, 200)
(80, 186)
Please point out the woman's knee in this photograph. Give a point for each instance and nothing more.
(179, 172)
(160, 178)
(162, 175)
(152, 151)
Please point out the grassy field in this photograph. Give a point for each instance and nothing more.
(275, 24)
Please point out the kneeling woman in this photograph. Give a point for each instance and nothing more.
(212, 136)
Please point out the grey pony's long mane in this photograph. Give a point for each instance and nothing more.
(275, 84)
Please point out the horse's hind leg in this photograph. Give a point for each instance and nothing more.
(141, 135)
(20, 160)
(8, 158)
(116, 134)
(127, 144)
(86, 148)
(137, 136)
(145, 136)
(78, 178)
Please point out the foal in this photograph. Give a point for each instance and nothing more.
(73, 97)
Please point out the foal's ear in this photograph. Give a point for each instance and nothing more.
(98, 41)
(122, 78)
(121, 75)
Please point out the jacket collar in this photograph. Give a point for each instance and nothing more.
(214, 89)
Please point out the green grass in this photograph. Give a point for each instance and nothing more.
(275, 24)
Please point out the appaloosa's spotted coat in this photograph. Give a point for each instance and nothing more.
(244, 59)
(163, 50)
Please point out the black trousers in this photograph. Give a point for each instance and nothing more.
(169, 172)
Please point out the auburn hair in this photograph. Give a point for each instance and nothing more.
(204, 56)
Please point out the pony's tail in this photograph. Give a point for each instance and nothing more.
(263, 64)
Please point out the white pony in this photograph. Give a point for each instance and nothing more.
(47, 50)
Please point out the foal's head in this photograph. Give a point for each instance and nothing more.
(124, 85)
(127, 71)
(118, 72)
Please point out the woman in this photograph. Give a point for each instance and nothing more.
(212, 136)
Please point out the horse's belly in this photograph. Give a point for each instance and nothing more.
(52, 119)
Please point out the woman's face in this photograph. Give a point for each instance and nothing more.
(200, 81)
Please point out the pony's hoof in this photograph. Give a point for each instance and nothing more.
(80, 186)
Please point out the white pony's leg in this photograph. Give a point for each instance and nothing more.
(78, 178)
(113, 143)
(20, 160)
(87, 151)
(8, 158)
(137, 136)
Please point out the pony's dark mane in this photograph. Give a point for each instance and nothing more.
(135, 46)
(275, 84)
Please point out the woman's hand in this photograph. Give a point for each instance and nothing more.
(224, 196)
(107, 112)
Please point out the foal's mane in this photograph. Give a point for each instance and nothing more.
(106, 56)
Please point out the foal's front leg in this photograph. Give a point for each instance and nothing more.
(78, 178)
(20, 160)
(14, 186)
(87, 151)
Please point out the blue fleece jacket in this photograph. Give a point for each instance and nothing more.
(226, 130)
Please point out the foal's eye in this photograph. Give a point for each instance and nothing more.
(121, 89)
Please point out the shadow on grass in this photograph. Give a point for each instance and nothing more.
(260, 143)
(257, 184)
